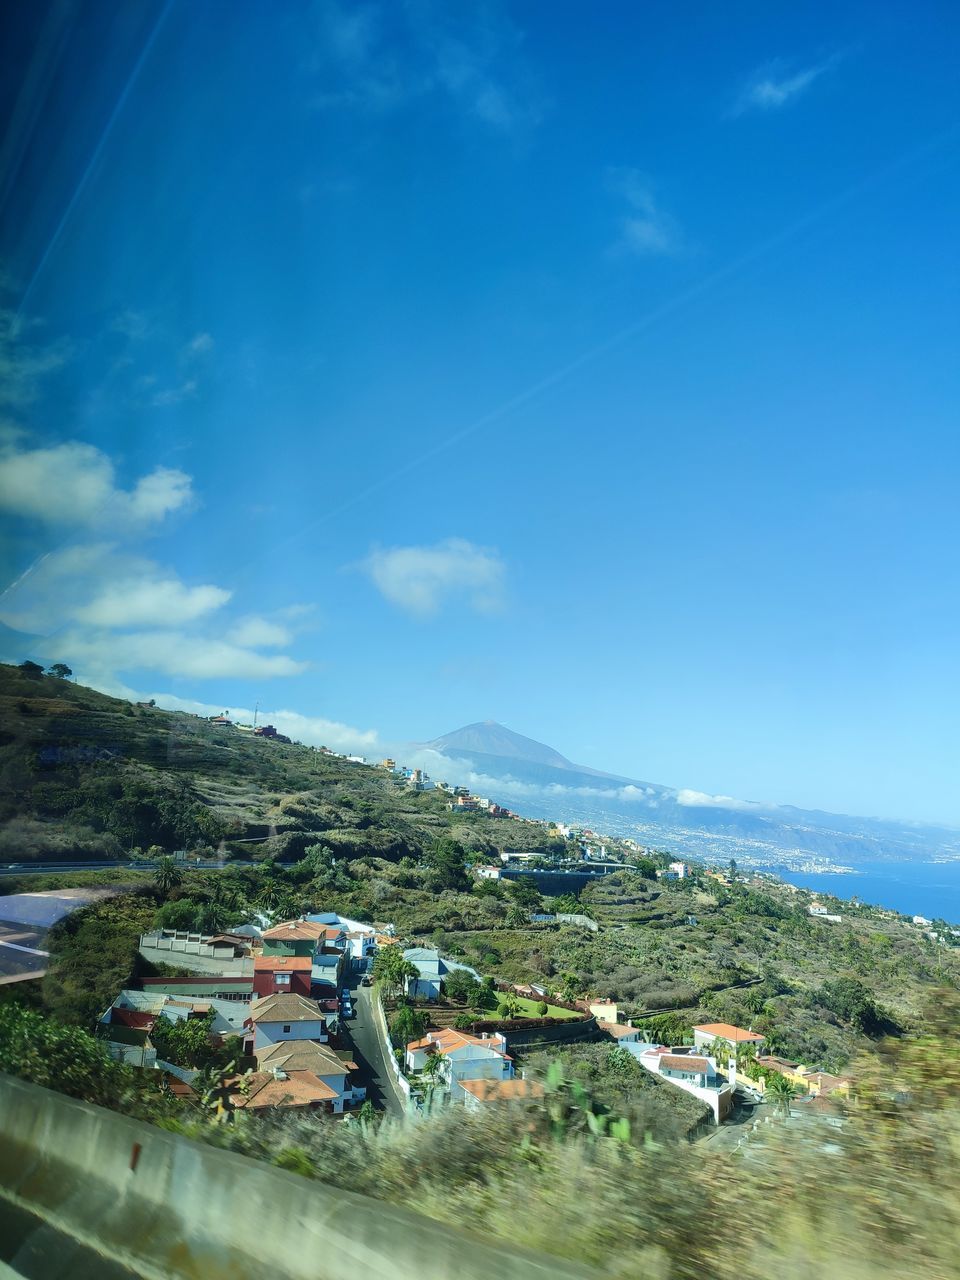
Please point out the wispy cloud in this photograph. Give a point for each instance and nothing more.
(422, 579)
(24, 361)
(645, 228)
(175, 395)
(774, 86)
(379, 57)
(74, 485)
(199, 345)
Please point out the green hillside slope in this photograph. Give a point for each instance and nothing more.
(84, 775)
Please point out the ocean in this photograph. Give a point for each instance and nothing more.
(930, 889)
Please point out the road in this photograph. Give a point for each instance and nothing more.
(368, 1052)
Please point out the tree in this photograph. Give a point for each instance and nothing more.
(393, 970)
(407, 1024)
(733, 868)
(60, 670)
(447, 860)
(184, 1042)
(461, 986)
(525, 893)
(781, 1090)
(31, 669)
(509, 1006)
(168, 876)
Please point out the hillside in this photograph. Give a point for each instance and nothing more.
(84, 775)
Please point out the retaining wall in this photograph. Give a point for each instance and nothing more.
(167, 1207)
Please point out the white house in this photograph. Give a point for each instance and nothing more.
(707, 1032)
(462, 1057)
(280, 1018)
(693, 1072)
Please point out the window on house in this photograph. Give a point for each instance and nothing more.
(286, 1029)
(282, 979)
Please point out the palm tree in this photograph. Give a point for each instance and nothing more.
(781, 1090)
(270, 896)
(167, 876)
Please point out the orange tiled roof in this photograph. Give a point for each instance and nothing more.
(299, 1089)
(502, 1090)
(724, 1031)
(282, 964)
(294, 930)
(447, 1040)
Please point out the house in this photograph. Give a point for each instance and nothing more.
(822, 1084)
(274, 975)
(292, 1058)
(605, 1009)
(478, 1094)
(686, 1069)
(462, 1057)
(619, 1031)
(280, 1018)
(210, 987)
(704, 1036)
(695, 1068)
(300, 1090)
(142, 1008)
(486, 872)
(432, 970)
(129, 1043)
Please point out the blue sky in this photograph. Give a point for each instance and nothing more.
(407, 365)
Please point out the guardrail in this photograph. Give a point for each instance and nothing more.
(163, 1205)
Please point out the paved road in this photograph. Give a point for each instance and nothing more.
(368, 1053)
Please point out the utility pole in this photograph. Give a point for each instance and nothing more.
(256, 710)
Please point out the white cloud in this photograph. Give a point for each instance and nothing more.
(646, 228)
(260, 632)
(421, 579)
(74, 484)
(97, 585)
(771, 88)
(161, 602)
(700, 800)
(101, 653)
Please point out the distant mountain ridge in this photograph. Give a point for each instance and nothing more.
(540, 782)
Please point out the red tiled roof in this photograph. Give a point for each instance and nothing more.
(685, 1062)
(140, 1019)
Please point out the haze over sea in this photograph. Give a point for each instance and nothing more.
(930, 889)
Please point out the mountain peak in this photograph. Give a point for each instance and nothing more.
(487, 737)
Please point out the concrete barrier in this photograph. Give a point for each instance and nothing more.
(164, 1206)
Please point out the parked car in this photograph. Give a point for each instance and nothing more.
(366, 981)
